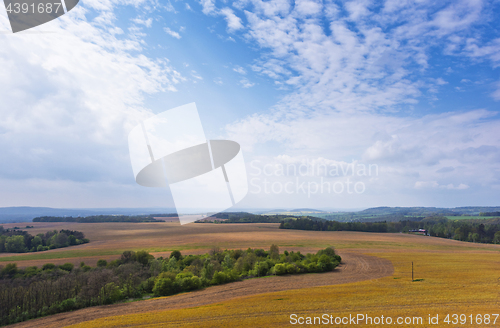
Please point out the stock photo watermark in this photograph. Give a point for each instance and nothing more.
(26, 14)
(310, 177)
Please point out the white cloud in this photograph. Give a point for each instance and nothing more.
(245, 83)
(68, 101)
(196, 75)
(233, 21)
(146, 22)
(239, 70)
(308, 7)
(208, 6)
(434, 184)
(412, 154)
(172, 33)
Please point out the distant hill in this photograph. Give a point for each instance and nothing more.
(308, 210)
(27, 213)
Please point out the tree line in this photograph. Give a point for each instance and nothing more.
(34, 292)
(244, 217)
(19, 241)
(483, 231)
(100, 218)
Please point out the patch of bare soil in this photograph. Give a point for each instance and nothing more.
(355, 267)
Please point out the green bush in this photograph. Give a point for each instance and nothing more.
(280, 269)
(220, 278)
(163, 287)
(66, 267)
(325, 263)
(148, 285)
(176, 254)
(261, 268)
(189, 283)
(67, 305)
(291, 268)
(102, 263)
(10, 269)
(110, 293)
(48, 266)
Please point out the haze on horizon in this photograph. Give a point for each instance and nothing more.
(411, 88)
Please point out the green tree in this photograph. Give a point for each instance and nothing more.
(496, 239)
(228, 262)
(143, 257)
(37, 241)
(15, 244)
(102, 263)
(176, 254)
(10, 269)
(163, 287)
(274, 252)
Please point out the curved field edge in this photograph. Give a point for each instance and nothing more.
(354, 267)
(448, 282)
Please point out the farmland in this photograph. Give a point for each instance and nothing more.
(452, 276)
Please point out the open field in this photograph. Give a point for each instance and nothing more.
(108, 240)
(458, 277)
(471, 217)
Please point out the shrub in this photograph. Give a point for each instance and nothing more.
(176, 254)
(102, 263)
(143, 257)
(163, 287)
(261, 268)
(48, 266)
(325, 263)
(10, 269)
(280, 269)
(110, 293)
(148, 285)
(312, 267)
(221, 278)
(329, 251)
(190, 283)
(66, 267)
(291, 268)
(67, 305)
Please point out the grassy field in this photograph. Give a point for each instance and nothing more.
(452, 277)
(108, 240)
(470, 217)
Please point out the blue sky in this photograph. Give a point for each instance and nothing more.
(412, 87)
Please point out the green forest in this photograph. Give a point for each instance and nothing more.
(34, 292)
(19, 241)
(484, 231)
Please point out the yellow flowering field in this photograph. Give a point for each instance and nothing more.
(461, 283)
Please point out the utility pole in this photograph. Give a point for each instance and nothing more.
(411, 271)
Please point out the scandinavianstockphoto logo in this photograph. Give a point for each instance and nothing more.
(26, 14)
(170, 149)
(309, 177)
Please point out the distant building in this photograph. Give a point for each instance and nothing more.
(419, 231)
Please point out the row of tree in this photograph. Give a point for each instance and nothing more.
(478, 231)
(19, 241)
(35, 292)
(100, 218)
(244, 217)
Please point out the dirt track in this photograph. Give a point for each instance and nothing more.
(355, 267)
